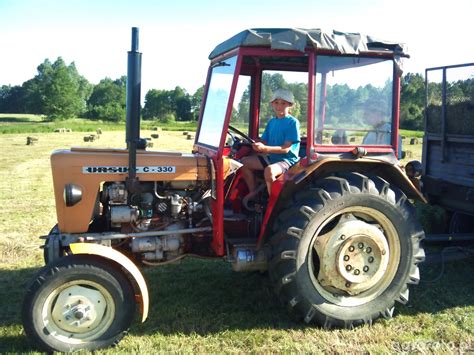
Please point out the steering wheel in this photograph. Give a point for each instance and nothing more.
(246, 138)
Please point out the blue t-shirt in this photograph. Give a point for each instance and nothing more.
(281, 130)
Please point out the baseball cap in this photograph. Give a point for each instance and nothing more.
(283, 94)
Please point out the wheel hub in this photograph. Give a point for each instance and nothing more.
(78, 309)
(353, 256)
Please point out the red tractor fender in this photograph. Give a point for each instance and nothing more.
(299, 176)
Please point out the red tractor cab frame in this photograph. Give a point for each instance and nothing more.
(266, 57)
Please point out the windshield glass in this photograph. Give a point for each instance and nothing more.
(353, 100)
(216, 102)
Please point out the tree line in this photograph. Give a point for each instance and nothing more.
(58, 91)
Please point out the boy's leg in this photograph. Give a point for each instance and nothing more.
(273, 171)
(251, 164)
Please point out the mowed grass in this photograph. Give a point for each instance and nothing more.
(32, 124)
(201, 306)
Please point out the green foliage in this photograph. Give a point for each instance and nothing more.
(412, 98)
(62, 90)
(159, 104)
(168, 118)
(456, 107)
(108, 100)
(196, 101)
(23, 124)
(433, 218)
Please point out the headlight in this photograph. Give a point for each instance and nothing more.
(72, 194)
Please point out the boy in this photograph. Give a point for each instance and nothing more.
(279, 145)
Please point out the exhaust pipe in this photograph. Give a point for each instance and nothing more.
(132, 135)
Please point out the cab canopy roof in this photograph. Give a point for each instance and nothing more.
(299, 39)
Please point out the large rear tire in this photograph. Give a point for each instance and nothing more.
(345, 251)
(78, 302)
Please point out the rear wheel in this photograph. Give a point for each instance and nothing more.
(345, 251)
(78, 302)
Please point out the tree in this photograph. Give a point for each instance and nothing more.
(157, 105)
(62, 91)
(163, 103)
(108, 100)
(412, 97)
(182, 104)
(12, 99)
(196, 101)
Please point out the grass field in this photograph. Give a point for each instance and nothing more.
(28, 124)
(202, 306)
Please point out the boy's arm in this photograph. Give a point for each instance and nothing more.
(293, 133)
(262, 148)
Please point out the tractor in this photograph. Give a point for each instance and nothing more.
(336, 234)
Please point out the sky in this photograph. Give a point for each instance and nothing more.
(176, 36)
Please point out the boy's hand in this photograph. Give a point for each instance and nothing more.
(259, 147)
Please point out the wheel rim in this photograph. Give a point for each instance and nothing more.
(354, 256)
(78, 311)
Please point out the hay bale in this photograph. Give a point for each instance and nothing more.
(413, 141)
(407, 154)
(460, 118)
(155, 136)
(31, 140)
(189, 137)
(149, 144)
(158, 129)
(90, 138)
(352, 139)
(185, 133)
(98, 131)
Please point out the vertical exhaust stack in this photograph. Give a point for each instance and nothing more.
(134, 75)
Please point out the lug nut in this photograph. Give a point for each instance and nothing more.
(79, 315)
(368, 250)
(371, 259)
(356, 272)
(349, 267)
(348, 284)
(343, 237)
(361, 245)
(366, 268)
(346, 258)
(351, 248)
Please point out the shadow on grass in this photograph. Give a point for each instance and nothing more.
(207, 297)
(203, 297)
(12, 290)
(13, 119)
(443, 285)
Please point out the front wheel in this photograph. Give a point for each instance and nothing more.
(345, 251)
(78, 302)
